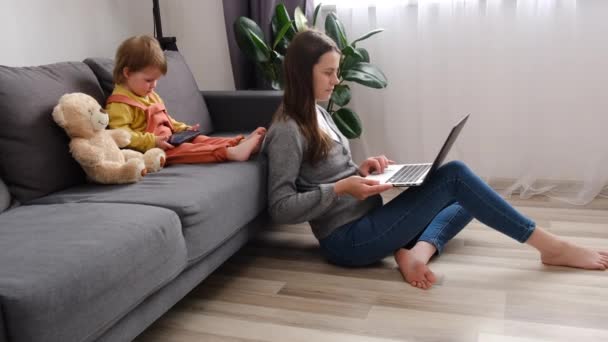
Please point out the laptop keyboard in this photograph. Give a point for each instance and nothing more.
(409, 173)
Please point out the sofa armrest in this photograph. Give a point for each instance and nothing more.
(3, 333)
(241, 110)
(5, 202)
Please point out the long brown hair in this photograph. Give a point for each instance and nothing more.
(303, 53)
(138, 53)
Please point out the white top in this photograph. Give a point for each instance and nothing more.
(325, 126)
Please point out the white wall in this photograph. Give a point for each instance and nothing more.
(34, 32)
(201, 38)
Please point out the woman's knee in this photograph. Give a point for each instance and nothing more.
(456, 166)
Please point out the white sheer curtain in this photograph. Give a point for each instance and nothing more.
(532, 74)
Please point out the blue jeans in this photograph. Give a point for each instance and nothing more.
(434, 212)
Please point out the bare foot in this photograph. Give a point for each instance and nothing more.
(245, 149)
(414, 270)
(572, 255)
(556, 251)
(259, 132)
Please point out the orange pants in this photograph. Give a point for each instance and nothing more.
(202, 149)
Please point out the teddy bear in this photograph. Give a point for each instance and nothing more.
(96, 148)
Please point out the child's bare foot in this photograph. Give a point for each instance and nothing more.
(259, 132)
(572, 255)
(414, 270)
(245, 149)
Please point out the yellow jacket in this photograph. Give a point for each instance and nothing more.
(133, 119)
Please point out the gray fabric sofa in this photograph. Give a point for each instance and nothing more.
(85, 262)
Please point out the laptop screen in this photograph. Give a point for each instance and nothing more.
(448, 143)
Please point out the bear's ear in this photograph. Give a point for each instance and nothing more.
(58, 116)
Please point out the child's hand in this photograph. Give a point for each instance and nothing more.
(195, 127)
(161, 142)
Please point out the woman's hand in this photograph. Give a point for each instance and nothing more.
(161, 142)
(374, 164)
(359, 187)
(195, 127)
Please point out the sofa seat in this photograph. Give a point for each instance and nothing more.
(70, 271)
(213, 201)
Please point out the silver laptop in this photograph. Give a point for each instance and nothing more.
(405, 175)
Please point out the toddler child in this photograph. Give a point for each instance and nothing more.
(137, 108)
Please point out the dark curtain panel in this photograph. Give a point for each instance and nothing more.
(245, 74)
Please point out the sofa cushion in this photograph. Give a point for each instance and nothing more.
(34, 152)
(178, 89)
(5, 197)
(70, 271)
(212, 200)
(102, 68)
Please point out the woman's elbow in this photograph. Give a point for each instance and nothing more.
(278, 214)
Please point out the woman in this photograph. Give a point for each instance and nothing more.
(313, 178)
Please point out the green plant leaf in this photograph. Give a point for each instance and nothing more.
(281, 35)
(363, 53)
(341, 95)
(243, 29)
(300, 20)
(350, 51)
(342, 32)
(277, 65)
(335, 30)
(366, 74)
(351, 59)
(282, 18)
(262, 51)
(367, 35)
(283, 42)
(348, 122)
(347, 64)
(314, 16)
(246, 23)
(274, 24)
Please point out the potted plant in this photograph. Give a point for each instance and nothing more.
(354, 66)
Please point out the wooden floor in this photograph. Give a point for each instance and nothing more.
(278, 288)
